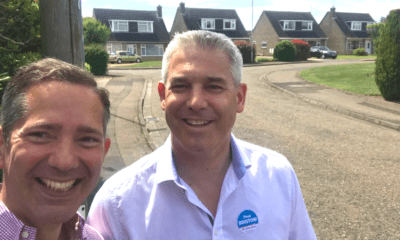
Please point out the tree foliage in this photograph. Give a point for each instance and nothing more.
(94, 31)
(245, 49)
(373, 30)
(387, 71)
(19, 33)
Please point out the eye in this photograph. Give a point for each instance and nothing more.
(89, 142)
(39, 137)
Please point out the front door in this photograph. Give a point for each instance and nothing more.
(131, 48)
(368, 46)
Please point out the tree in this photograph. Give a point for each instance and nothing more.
(19, 33)
(373, 30)
(387, 70)
(94, 31)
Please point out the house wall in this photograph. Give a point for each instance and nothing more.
(116, 47)
(178, 24)
(337, 39)
(264, 31)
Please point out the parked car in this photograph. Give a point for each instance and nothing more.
(124, 56)
(322, 52)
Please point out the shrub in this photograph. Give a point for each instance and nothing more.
(387, 71)
(284, 51)
(263, 60)
(359, 52)
(12, 61)
(88, 67)
(245, 50)
(302, 50)
(97, 57)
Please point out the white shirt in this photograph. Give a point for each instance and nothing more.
(260, 199)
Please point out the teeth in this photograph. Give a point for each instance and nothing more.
(196, 122)
(57, 186)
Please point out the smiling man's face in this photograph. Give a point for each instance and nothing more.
(200, 99)
(55, 153)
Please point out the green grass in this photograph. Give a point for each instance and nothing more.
(149, 64)
(355, 56)
(264, 59)
(355, 78)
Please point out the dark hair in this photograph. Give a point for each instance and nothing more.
(14, 103)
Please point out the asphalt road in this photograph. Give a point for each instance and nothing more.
(348, 169)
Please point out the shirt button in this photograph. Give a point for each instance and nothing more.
(216, 232)
(25, 234)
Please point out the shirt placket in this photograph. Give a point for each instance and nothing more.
(27, 233)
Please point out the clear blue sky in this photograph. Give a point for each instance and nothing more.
(318, 8)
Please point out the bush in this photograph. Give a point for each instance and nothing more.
(284, 51)
(88, 67)
(302, 50)
(245, 50)
(263, 60)
(12, 61)
(387, 71)
(97, 57)
(359, 52)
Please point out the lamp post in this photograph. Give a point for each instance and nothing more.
(251, 38)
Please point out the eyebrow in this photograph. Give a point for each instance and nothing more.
(58, 127)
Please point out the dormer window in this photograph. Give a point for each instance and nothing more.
(207, 23)
(306, 25)
(145, 26)
(230, 24)
(119, 26)
(289, 25)
(356, 26)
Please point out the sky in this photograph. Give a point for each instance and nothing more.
(318, 8)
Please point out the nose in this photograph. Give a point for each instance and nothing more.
(64, 156)
(197, 100)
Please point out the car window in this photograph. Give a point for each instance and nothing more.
(122, 54)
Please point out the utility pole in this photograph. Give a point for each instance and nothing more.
(251, 38)
(61, 30)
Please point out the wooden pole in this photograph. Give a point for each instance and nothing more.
(61, 30)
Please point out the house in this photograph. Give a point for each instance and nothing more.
(275, 26)
(224, 21)
(139, 32)
(347, 31)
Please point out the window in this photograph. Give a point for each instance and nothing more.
(120, 26)
(230, 24)
(356, 26)
(289, 25)
(132, 48)
(318, 43)
(208, 23)
(145, 26)
(152, 50)
(271, 50)
(109, 47)
(306, 25)
(264, 44)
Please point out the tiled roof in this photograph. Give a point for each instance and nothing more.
(160, 33)
(193, 16)
(276, 16)
(342, 18)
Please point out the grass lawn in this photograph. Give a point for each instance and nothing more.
(149, 64)
(355, 78)
(355, 56)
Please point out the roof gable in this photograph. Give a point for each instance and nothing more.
(276, 16)
(341, 18)
(193, 16)
(160, 33)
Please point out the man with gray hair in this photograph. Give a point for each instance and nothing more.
(203, 183)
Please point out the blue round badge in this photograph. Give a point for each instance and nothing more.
(247, 220)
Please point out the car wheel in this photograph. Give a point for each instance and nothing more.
(322, 56)
(138, 60)
(119, 61)
(318, 55)
(334, 57)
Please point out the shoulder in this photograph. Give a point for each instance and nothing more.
(90, 233)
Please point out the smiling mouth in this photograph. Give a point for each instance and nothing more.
(196, 122)
(58, 186)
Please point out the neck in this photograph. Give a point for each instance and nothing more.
(49, 232)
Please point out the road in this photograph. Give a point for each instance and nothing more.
(348, 169)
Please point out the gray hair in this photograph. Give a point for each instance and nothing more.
(209, 41)
(14, 103)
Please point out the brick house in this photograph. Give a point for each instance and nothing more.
(224, 21)
(275, 26)
(347, 31)
(140, 32)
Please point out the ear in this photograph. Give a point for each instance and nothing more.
(161, 93)
(107, 144)
(2, 149)
(241, 97)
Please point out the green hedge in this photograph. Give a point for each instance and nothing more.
(359, 52)
(97, 57)
(284, 51)
(302, 50)
(387, 71)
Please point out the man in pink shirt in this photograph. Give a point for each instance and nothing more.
(52, 146)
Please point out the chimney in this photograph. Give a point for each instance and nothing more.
(333, 11)
(159, 11)
(182, 5)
